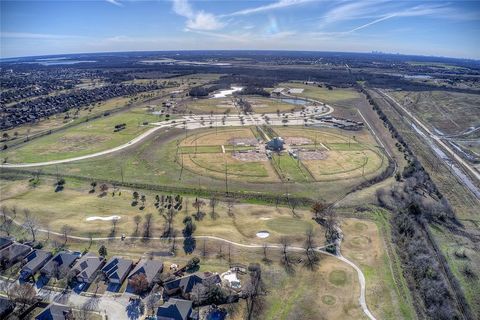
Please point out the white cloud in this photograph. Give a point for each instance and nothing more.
(276, 5)
(27, 35)
(115, 2)
(204, 21)
(196, 20)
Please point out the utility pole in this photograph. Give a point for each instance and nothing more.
(226, 177)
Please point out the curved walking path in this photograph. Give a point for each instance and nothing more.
(190, 123)
(360, 275)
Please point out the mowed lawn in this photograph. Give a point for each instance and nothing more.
(363, 244)
(75, 204)
(86, 138)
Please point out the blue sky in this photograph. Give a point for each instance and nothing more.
(412, 27)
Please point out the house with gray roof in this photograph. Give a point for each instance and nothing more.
(33, 262)
(175, 309)
(13, 253)
(5, 242)
(56, 312)
(184, 285)
(61, 263)
(117, 269)
(151, 269)
(87, 266)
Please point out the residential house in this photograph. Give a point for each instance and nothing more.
(184, 285)
(56, 312)
(5, 242)
(13, 253)
(87, 266)
(175, 309)
(150, 268)
(117, 269)
(33, 262)
(60, 264)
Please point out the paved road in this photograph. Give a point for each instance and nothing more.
(196, 122)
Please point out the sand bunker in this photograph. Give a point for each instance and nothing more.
(297, 141)
(103, 218)
(313, 155)
(250, 156)
(263, 234)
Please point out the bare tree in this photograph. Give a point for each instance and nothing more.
(286, 261)
(173, 248)
(213, 203)
(22, 294)
(147, 226)
(66, 229)
(312, 256)
(137, 219)
(318, 209)
(254, 292)
(198, 204)
(31, 224)
(139, 283)
(230, 205)
(265, 257)
(169, 216)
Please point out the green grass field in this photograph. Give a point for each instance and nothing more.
(85, 138)
(290, 169)
(322, 94)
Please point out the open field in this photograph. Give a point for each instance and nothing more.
(364, 245)
(330, 290)
(464, 261)
(157, 162)
(445, 112)
(77, 204)
(334, 96)
(227, 105)
(85, 138)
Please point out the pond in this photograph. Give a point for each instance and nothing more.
(298, 102)
(226, 92)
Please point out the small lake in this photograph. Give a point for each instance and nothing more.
(226, 92)
(298, 102)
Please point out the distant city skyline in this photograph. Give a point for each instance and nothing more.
(437, 28)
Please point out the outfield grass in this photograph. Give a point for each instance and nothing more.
(290, 169)
(86, 138)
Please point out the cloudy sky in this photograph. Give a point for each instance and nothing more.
(438, 28)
